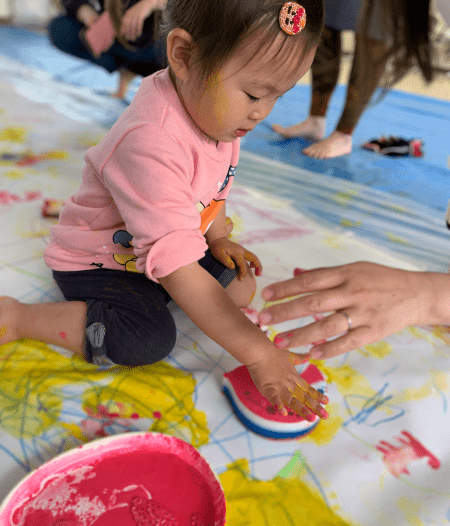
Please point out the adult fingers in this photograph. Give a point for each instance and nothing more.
(314, 280)
(306, 305)
(349, 341)
(318, 331)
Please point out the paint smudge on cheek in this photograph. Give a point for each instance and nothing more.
(63, 335)
(3, 330)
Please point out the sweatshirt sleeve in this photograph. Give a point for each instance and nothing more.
(148, 176)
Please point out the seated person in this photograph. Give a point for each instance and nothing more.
(135, 51)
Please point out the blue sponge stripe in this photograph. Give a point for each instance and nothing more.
(264, 431)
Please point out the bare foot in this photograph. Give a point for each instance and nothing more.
(9, 308)
(336, 144)
(311, 128)
(125, 78)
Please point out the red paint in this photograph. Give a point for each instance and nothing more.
(255, 402)
(157, 414)
(63, 335)
(135, 479)
(397, 458)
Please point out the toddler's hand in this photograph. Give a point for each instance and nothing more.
(232, 255)
(277, 379)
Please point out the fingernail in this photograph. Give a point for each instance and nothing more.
(280, 342)
(265, 318)
(267, 294)
(324, 414)
(282, 410)
(316, 353)
(258, 271)
(311, 417)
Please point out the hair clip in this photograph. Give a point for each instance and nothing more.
(292, 18)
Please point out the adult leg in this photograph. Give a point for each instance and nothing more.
(360, 89)
(325, 73)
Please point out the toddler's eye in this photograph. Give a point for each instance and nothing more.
(252, 98)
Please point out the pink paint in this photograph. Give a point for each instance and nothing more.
(132, 479)
(63, 335)
(397, 458)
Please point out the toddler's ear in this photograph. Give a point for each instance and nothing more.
(179, 52)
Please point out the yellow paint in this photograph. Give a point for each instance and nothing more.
(34, 377)
(410, 510)
(3, 330)
(335, 242)
(280, 502)
(343, 198)
(13, 134)
(14, 174)
(399, 208)
(37, 233)
(441, 333)
(397, 239)
(378, 350)
(438, 380)
(57, 154)
(327, 429)
(348, 223)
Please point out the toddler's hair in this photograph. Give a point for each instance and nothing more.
(219, 27)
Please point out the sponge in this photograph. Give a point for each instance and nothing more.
(258, 414)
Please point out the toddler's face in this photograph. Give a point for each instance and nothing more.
(242, 93)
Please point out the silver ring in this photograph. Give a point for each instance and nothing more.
(347, 317)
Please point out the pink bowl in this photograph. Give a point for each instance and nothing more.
(122, 480)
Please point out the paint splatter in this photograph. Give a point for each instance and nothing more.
(63, 335)
(278, 501)
(396, 458)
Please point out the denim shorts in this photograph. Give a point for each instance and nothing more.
(128, 322)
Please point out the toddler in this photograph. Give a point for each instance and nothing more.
(148, 223)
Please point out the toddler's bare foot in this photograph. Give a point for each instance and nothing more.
(311, 128)
(336, 144)
(9, 308)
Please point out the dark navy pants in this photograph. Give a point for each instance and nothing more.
(128, 322)
(64, 34)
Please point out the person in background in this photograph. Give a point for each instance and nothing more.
(136, 50)
(391, 36)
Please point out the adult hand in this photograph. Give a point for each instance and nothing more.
(134, 18)
(377, 300)
(276, 378)
(86, 15)
(231, 255)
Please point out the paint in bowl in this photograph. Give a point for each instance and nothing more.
(132, 479)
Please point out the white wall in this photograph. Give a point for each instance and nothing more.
(32, 11)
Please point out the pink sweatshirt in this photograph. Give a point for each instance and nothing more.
(150, 190)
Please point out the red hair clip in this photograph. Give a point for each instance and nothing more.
(292, 18)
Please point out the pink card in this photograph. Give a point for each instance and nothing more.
(100, 36)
